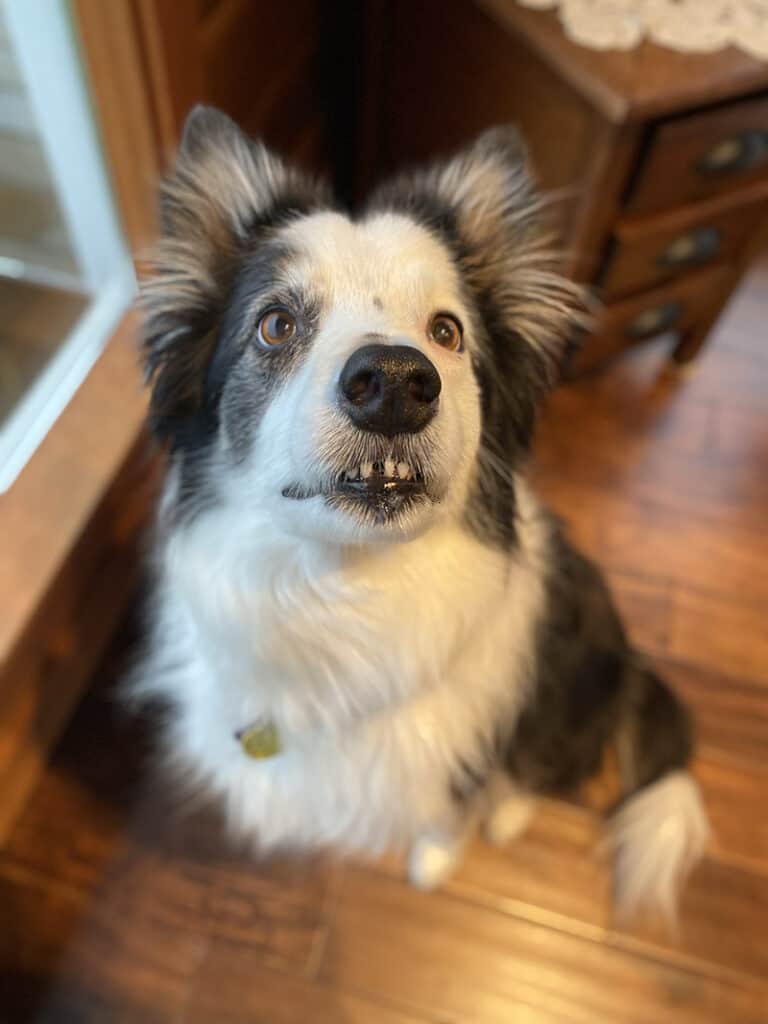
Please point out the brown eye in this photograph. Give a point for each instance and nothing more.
(446, 331)
(277, 327)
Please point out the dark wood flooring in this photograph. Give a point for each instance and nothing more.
(117, 907)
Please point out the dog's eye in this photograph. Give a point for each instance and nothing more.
(276, 327)
(446, 331)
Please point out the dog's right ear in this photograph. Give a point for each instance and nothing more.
(224, 193)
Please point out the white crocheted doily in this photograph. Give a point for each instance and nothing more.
(693, 26)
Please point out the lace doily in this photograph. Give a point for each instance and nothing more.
(692, 26)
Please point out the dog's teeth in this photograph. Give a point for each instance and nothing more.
(351, 473)
(365, 470)
(403, 470)
(389, 468)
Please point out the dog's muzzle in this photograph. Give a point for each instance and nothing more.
(389, 389)
(392, 392)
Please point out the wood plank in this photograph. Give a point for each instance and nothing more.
(735, 799)
(63, 962)
(485, 966)
(555, 876)
(730, 636)
(654, 538)
(558, 874)
(112, 825)
(730, 715)
(720, 490)
(692, 553)
(231, 987)
(74, 826)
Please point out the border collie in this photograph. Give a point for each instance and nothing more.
(369, 631)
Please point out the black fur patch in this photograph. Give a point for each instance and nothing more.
(469, 777)
(658, 729)
(590, 688)
(580, 680)
(512, 381)
(244, 376)
(189, 377)
(223, 202)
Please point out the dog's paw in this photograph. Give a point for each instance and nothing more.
(432, 862)
(508, 819)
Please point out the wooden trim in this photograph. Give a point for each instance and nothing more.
(375, 69)
(615, 151)
(123, 101)
(69, 560)
(169, 33)
(71, 522)
(648, 82)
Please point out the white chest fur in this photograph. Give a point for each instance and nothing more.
(383, 671)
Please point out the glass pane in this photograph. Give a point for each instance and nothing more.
(32, 226)
(65, 274)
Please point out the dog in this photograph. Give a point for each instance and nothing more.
(368, 631)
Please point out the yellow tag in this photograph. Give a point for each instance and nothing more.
(261, 741)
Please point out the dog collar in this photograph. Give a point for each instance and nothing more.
(260, 740)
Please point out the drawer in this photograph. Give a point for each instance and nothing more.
(647, 253)
(701, 155)
(675, 308)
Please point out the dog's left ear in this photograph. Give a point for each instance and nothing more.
(484, 205)
(223, 197)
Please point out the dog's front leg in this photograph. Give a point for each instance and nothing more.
(436, 855)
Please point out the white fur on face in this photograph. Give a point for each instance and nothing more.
(380, 281)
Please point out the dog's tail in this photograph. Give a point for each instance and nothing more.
(660, 828)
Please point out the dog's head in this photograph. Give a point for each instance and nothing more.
(354, 379)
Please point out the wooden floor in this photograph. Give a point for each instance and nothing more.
(116, 908)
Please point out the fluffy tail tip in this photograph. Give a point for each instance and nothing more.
(657, 836)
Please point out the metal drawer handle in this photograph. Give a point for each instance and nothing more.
(655, 320)
(695, 247)
(737, 153)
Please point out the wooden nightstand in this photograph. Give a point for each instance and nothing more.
(658, 160)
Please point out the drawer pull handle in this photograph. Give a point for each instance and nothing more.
(655, 320)
(695, 247)
(738, 153)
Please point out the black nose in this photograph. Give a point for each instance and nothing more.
(389, 389)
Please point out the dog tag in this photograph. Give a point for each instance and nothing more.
(260, 741)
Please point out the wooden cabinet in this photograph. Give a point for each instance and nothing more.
(657, 161)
